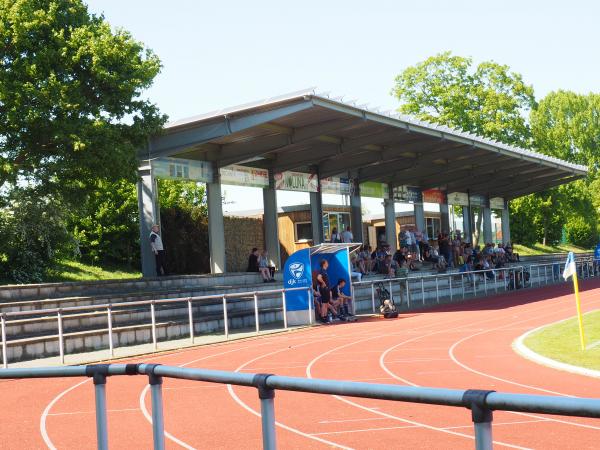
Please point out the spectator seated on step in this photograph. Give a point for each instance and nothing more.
(253, 261)
(341, 301)
(511, 255)
(266, 272)
(389, 266)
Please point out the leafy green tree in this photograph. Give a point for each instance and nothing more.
(106, 226)
(33, 236)
(71, 106)
(487, 100)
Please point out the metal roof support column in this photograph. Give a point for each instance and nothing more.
(390, 219)
(487, 224)
(505, 224)
(271, 228)
(216, 228)
(445, 219)
(149, 211)
(420, 217)
(467, 230)
(316, 213)
(356, 211)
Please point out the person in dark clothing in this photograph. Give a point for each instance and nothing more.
(253, 261)
(324, 289)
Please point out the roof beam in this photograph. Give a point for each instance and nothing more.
(491, 182)
(235, 152)
(350, 161)
(388, 170)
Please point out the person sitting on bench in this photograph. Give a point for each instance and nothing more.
(341, 301)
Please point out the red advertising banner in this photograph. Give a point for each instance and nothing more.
(434, 196)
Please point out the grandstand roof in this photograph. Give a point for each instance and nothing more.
(308, 131)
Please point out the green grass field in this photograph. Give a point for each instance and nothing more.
(561, 341)
(68, 270)
(539, 249)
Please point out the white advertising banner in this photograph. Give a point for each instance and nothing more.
(182, 169)
(335, 185)
(458, 198)
(296, 181)
(497, 203)
(244, 176)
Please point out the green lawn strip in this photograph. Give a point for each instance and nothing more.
(560, 341)
(68, 270)
(539, 249)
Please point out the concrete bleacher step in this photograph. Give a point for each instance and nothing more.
(63, 302)
(95, 339)
(109, 287)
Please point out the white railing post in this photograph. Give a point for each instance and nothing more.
(284, 307)
(437, 289)
(61, 347)
(111, 346)
(423, 290)
(373, 296)
(256, 313)
(450, 286)
(153, 317)
(191, 319)
(4, 345)
(225, 320)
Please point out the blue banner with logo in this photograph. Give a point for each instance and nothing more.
(297, 273)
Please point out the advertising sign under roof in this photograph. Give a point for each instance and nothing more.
(497, 203)
(408, 194)
(244, 176)
(296, 181)
(335, 185)
(182, 169)
(434, 196)
(374, 189)
(479, 200)
(458, 198)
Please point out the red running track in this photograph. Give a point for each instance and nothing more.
(464, 345)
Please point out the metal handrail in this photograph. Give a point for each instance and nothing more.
(481, 403)
(585, 264)
(108, 309)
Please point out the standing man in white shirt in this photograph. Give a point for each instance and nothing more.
(347, 236)
(158, 250)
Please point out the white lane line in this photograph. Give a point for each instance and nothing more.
(279, 424)
(402, 427)
(534, 416)
(351, 420)
(72, 413)
(390, 416)
(147, 414)
(44, 415)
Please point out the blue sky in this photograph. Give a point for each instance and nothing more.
(218, 54)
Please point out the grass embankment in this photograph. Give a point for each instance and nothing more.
(539, 249)
(560, 341)
(68, 270)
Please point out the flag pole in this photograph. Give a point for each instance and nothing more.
(579, 317)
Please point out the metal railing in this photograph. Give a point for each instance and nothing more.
(481, 403)
(463, 284)
(110, 307)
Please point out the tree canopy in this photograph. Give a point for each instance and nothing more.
(487, 100)
(71, 105)
(491, 101)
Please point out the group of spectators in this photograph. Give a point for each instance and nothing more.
(259, 262)
(416, 250)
